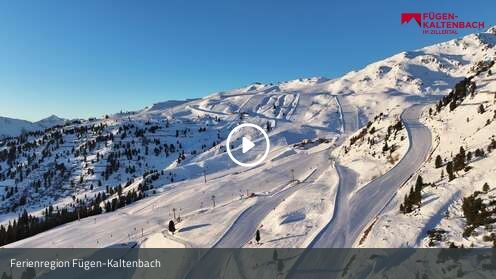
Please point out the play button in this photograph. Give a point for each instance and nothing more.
(248, 145)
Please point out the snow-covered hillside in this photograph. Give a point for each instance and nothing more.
(375, 149)
(10, 127)
(456, 201)
(121, 179)
(50, 121)
(13, 127)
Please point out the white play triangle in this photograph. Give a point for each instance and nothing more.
(247, 144)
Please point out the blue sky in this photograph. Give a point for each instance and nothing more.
(88, 58)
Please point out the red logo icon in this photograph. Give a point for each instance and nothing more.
(407, 17)
(440, 23)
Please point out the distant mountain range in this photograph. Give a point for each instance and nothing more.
(11, 127)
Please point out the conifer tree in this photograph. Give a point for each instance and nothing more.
(481, 109)
(486, 187)
(452, 106)
(449, 170)
(419, 184)
(257, 236)
(439, 161)
(459, 161)
(172, 226)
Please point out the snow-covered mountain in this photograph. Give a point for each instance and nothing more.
(50, 121)
(134, 172)
(456, 201)
(14, 127)
(11, 127)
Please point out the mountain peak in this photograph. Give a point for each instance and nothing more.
(492, 30)
(50, 121)
(51, 117)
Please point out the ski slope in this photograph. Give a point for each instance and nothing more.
(355, 211)
(220, 203)
(244, 227)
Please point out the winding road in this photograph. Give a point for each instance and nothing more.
(244, 227)
(242, 230)
(354, 212)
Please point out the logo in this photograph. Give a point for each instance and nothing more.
(406, 17)
(440, 23)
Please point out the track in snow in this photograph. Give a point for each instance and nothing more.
(358, 210)
(353, 213)
(245, 226)
(349, 115)
(243, 229)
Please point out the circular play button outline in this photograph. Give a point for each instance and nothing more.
(228, 145)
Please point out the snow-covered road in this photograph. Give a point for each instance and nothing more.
(243, 229)
(349, 115)
(355, 211)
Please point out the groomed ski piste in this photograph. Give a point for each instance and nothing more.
(322, 184)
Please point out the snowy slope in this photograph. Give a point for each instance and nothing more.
(10, 127)
(157, 159)
(13, 127)
(440, 220)
(50, 121)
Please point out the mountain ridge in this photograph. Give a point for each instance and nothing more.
(11, 127)
(173, 155)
